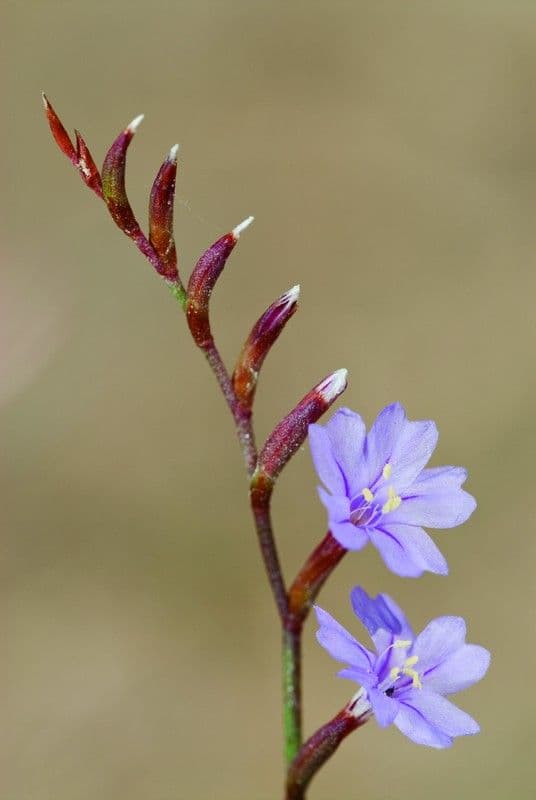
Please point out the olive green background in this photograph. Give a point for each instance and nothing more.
(388, 152)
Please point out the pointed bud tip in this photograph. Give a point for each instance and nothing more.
(172, 155)
(333, 385)
(292, 295)
(242, 227)
(135, 124)
(44, 98)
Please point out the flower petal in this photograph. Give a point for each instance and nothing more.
(408, 550)
(385, 708)
(467, 665)
(413, 448)
(441, 637)
(348, 535)
(413, 725)
(374, 613)
(338, 506)
(383, 639)
(325, 464)
(340, 644)
(362, 677)
(441, 713)
(442, 510)
(381, 439)
(346, 431)
(406, 631)
(435, 480)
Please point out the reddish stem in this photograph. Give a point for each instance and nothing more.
(313, 575)
(260, 496)
(316, 751)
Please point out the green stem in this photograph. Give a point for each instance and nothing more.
(292, 690)
(179, 293)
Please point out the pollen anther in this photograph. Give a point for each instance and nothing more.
(387, 471)
(414, 675)
(402, 643)
(367, 494)
(393, 501)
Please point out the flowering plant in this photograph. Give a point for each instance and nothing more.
(376, 488)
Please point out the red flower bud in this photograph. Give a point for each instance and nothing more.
(115, 195)
(203, 279)
(291, 432)
(80, 156)
(113, 181)
(86, 165)
(161, 213)
(263, 335)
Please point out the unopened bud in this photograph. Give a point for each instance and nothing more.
(113, 181)
(291, 432)
(203, 279)
(263, 335)
(161, 214)
(86, 165)
(79, 156)
(115, 195)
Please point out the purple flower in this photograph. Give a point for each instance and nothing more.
(379, 491)
(406, 680)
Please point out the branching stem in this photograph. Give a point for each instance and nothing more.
(321, 746)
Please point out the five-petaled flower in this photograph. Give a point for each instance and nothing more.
(379, 491)
(405, 681)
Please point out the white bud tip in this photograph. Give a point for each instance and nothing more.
(334, 385)
(172, 155)
(291, 296)
(44, 99)
(135, 124)
(242, 227)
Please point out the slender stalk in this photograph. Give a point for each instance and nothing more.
(260, 506)
(242, 421)
(313, 575)
(321, 746)
(292, 711)
(301, 595)
(293, 607)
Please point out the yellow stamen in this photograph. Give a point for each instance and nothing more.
(393, 501)
(402, 643)
(387, 471)
(367, 494)
(394, 673)
(414, 675)
(411, 661)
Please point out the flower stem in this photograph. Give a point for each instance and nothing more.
(260, 506)
(242, 421)
(313, 575)
(292, 690)
(321, 746)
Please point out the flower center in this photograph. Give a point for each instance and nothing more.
(408, 670)
(365, 509)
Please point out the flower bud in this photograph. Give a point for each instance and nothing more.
(291, 432)
(115, 195)
(203, 279)
(80, 156)
(263, 335)
(88, 169)
(113, 181)
(161, 214)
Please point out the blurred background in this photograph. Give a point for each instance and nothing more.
(388, 153)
